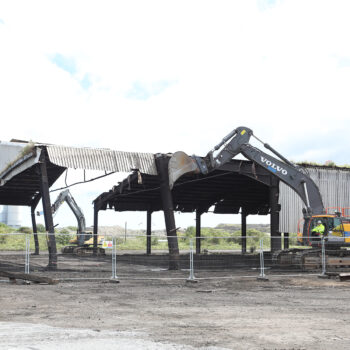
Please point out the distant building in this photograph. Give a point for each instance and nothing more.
(10, 216)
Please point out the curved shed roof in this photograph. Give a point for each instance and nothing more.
(230, 191)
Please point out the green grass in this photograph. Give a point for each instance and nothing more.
(212, 239)
(15, 240)
(10, 242)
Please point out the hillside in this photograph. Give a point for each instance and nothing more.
(229, 228)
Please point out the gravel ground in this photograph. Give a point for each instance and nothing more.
(285, 312)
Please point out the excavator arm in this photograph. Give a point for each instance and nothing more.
(300, 182)
(66, 196)
(237, 142)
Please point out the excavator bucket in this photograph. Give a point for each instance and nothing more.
(179, 164)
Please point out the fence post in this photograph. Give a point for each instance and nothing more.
(191, 278)
(285, 240)
(323, 257)
(114, 277)
(27, 256)
(262, 275)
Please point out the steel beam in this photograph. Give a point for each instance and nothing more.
(167, 202)
(286, 240)
(96, 209)
(276, 243)
(149, 231)
(198, 231)
(35, 231)
(45, 195)
(254, 171)
(244, 231)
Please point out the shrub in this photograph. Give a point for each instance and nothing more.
(5, 229)
(119, 240)
(64, 230)
(190, 232)
(235, 238)
(154, 241)
(40, 228)
(25, 229)
(3, 239)
(214, 240)
(62, 239)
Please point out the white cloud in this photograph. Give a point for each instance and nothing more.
(278, 67)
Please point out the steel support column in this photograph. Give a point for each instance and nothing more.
(286, 240)
(149, 231)
(96, 209)
(35, 230)
(244, 231)
(167, 202)
(45, 195)
(276, 243)
(198, 231)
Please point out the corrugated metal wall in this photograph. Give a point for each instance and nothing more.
(334, 185)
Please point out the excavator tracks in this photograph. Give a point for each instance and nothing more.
(82, 251)
(311, 259)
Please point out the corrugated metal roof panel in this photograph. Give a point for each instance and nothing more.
(15, 158)
(334, 185)
(102, 159)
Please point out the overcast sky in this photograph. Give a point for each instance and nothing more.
(163, 76)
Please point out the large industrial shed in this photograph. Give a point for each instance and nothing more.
(27, 171)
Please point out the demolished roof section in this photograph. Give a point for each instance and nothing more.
(16, 157)
(19, 166)
(102, 159)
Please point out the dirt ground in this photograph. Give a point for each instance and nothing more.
(144, 312)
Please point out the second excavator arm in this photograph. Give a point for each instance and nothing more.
(65, 196)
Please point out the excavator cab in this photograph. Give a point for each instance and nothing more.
(337, 231)
(315, 236)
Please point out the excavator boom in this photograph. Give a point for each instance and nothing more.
(66, 196)
(81, 244)
(237, 142)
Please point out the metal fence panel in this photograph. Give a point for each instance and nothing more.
(126, 258)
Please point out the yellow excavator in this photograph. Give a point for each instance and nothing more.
(337, 224)
(82, 244)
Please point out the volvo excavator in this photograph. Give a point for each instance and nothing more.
(337, 225)
(82, 243)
